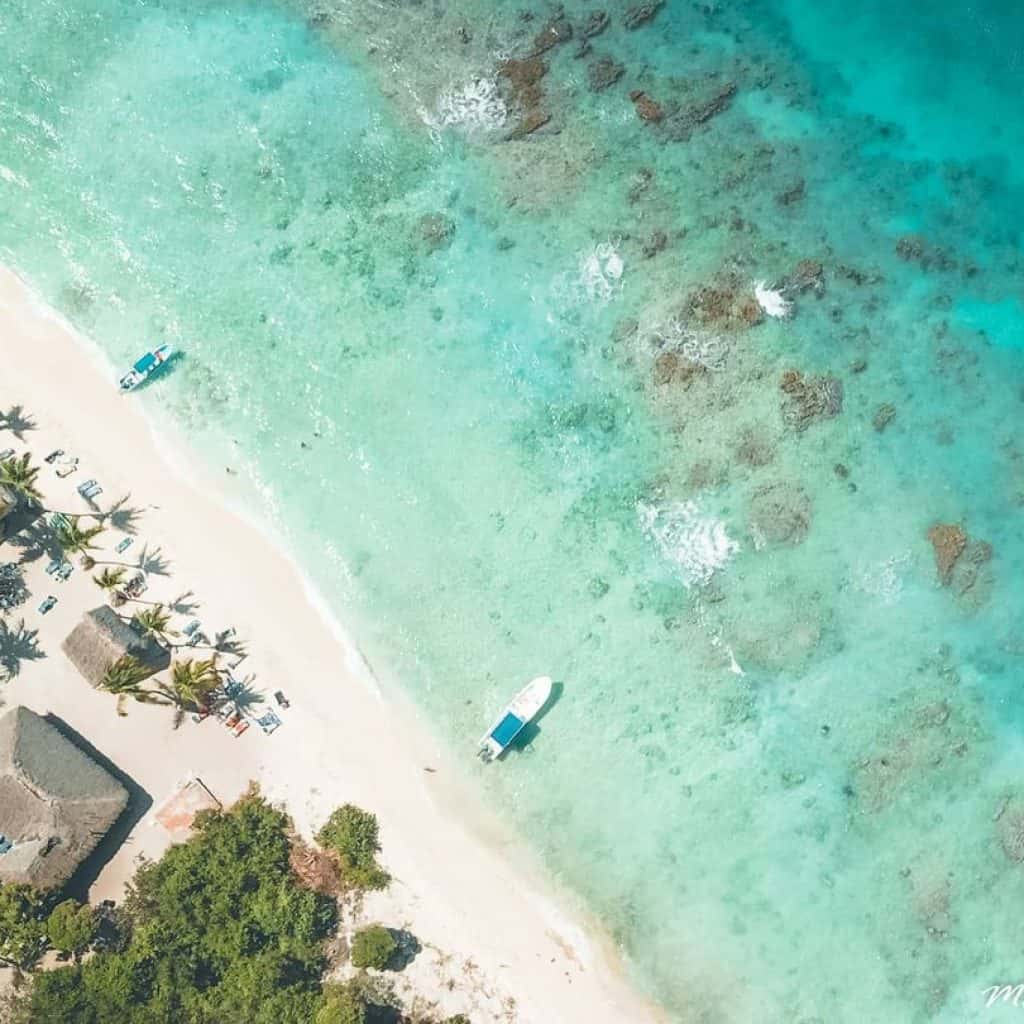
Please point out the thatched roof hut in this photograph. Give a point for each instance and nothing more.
(103, 638)
(55, 802)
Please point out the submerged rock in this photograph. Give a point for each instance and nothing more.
(884, 415)
(604, 72)
(675, 368)
(680, 125)
(646, 108)
(780, 513)
(809, 398)
(595, 24)
(436, 230)
(557, 30)
(948, 541)
(1010, 828)
(654, 244)
(640, 14)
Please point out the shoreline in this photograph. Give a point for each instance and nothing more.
(347, 738)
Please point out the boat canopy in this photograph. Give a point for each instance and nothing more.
(146, 363)
(507, 730)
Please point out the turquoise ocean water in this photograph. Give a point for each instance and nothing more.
(506, 401)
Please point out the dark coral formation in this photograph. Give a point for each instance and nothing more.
(522, 81)
(674, 368)
(436, 230)
(1010, 828)
(884, 415)
(725, 303)
(557, 30)
(780, 513)
(948, 541)
(640, 14)
(603, 73)
(646, 108)
(809, 398)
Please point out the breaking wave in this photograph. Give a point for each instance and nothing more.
(697, 545)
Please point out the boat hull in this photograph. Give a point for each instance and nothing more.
(526, 705)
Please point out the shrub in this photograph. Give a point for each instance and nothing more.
(71, 927)
(352, 833)
(342, 1004)
(373, 946)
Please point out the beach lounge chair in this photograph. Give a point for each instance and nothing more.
(53, 567)
(92, 492)
(240, 728)
(68, 469)
(64, 572)
(53, 456)
(47, 605)
(83, 487)
(124, 545)
(59, 521)
(191, 627)
(282, 700)
(268, 722)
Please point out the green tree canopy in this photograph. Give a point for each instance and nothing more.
(353, 834)
(22, 925)
(71, 927)
(221, 932)
(341, 1004)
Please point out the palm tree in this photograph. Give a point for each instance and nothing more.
(192, 681)
(124, 679)
(155, 622)
(108, 581)
(20, 476)
(190, 687)
(75, 540)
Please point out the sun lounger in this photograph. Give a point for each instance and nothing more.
(47, 604)
(83, 487)
(64, 572)
(124, 545)
(282, 700)
(191, 627)
(68, 469)
(240, 728)
(53, 456)
(53, 567)
(59, 521)
(268, 722)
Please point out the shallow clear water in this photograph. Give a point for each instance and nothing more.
(506, 440)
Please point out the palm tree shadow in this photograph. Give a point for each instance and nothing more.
(246, 698)
(182, 605)
(17, 421)
(34, 538)
(17, 645)
(122, 517)
(152, 562)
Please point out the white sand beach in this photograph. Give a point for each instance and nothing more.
(497, 943)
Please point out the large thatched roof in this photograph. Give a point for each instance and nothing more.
(55, 802)
(103, 637)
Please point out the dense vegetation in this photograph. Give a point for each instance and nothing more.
(352, 834)
(221, 930)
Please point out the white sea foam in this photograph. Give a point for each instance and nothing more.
(476, 107)
(696, 345)
(883, 580)
(697, 545)
(600, 271)
(772, 301)
(10, 176)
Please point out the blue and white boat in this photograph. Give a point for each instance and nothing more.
(513, 720)
(145, 367)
